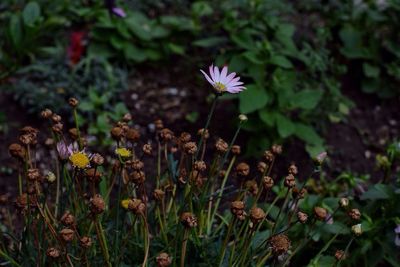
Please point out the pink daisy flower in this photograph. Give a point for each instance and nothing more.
(222, 81)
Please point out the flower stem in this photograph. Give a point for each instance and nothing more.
(184, 245)
(223, 248)
(280, 211)
(77, 128)
(102, 241)
(146, 241)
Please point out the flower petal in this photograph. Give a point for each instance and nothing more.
(230, 77)
(233, 81)
(216, 74)
(207, 77)
(222, 76)
(211, 70)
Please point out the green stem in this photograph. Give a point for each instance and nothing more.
(103, 243)
(77, 129)
(223, 248)
(184, 245)
(280, 210)
(346, 251)
(146, 241)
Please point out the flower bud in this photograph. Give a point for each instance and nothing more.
(302, 217)
(85, 242)
(67, 234)
(243, 169)
(320, 213)
(243, 118)
(97, 204)
(280, 244)
(356, 229)
(73, 102)
(189, 220)
(354, 214)
(344, 202)
(256, 215)
(163, 260)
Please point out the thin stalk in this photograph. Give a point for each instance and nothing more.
(223, 248)
(77, 128)
(146, 241)
(102, 241)
(346, 250)
(264, 259)
(280, 210)
(184, 245)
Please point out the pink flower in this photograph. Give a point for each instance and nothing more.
(64, 151)
(222, 81)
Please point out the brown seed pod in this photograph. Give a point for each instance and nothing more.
(293, 169)
(290, 181)
(280, 244)
(268, 156)
(138, 177)
(58, 127)
(354, 214)
(73, 102)
(340, 255)
(158, 194)
(147, 149)
(56, 118)
(166, 135)
(236, 150)
(237, 209)
(185, 137)
(33, 174)
(256, 215)
(302, 217)
(133, 135)
(221, 146)
(67, 235)
(299, 193)
(252, 187)
(320, 213)
(97, 159)
(136, 206)
(97, 204)
(53, 253)
(127, 117)
(93, 175)
(262, 167)
(17, 151)
(189, 220)
(22, 202)
(268, 182)
(190, 148)
(117, 133)
(85, 242)
(242, 169)
(205, 134)
(46, 114)
(67, 219)
(163, 260)
(276, 149)
(4, 199)
(73, 132)
(137, 165)
(200, 166)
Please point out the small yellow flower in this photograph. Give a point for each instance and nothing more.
(123, 152)
(125, 203)
(79, 159)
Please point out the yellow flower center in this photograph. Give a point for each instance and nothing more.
(123, 152)
(79, 160)
(219, 87)
(125, 203)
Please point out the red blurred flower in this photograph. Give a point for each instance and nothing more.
(76, 46)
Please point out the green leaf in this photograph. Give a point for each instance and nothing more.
(177, 49)
(336, 228)
(252, 99)
(202, 8)
(31, 13)
(15, 30)
(378, 191)
(352, 43)
(237, 63)
(267, 116)
(285, 126)
(308, 134)
(281, 61)
(253, 57)
(133, 53)
(243, 39)
(307, 99)
(210, 42)
(370, 70)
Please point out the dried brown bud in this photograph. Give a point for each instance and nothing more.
(33, 174)
(159, 124)
(67, 219)
(302, 217)
(237, 209)
(262, 167)
(166, 135)
(280, 244)
(49, 142)
(243, 169)
(252, 187)
(127, 117)
(22, 202)
(97, 159)
(117, 133)
(73, 102)
(85, 242)
(137, 165)
(268, 182)
(46, 114)
(133, 135)
(200, 166)
(340, 255)
(205, 134)
(53, 253)
(292, 169)
(344, 202)
(58, 127)
(147, 149)
(67, 235)
(256, 215)
(299, 194)
(163, 260)
(17, 151)
(26, 139)
(73, 132)
(221, 146)
(236, 150)
(290, 181)
(56, 118)
(354, 214)
(138, 177)
(97, 204)
(268, 156)
(320, 213)
(158, 194)
(185, 137)
(276, 149)
(4, 199)
(136, 206)
(93, 175)
(190, 148)
(188, 220)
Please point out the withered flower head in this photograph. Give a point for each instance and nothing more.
(159, 124)
(67, 219)
(49, 142)
(133, 135)
(252, 187)
(147, 149)
(354, 214)
(158, 194)
(56, 118)
(290, 181)
(4, 199)
(136, 206)
(237, 209)
(97, 204)
(73, 102)
(293, 169)
(53, 253)
(302, 217)
(22, 201)
(117, 133)
(67, 234)
(344, 202)
(236, 150)
(185, 137)
(268, 182)
(26, 139)
(138, 177)
(127, 117)
(276, 149)
(268, 156)
(97, 159)
(33, 174)
(320, 213)
(221, 146)
(262, 167)
(200, 166)
(46, 114)
(137, 165)
(189, 220)
(17, 151)
(256, 215)
(190, 148)
(163, 260)
(166, 135)
(85, 242)
(299, 193)
(73, 132)
(356, 229)
(205, 134)
(280, 244)
(340, 255)
(243, 169)
(58, 127)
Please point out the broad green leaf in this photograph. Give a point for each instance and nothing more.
(243, 39)
(285, 126)
(353, 43)
(133, 53)
(202, 8)
(254, 57)
(308, 134)
(371, 71)
(31, 13)
(15, 30)
(210, 42)
(177, 49)
(252, 99)
(378, 191)
(281, 61)
(237, 63)
(307, 99)
(267, 116)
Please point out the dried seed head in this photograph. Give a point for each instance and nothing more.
(243, 118)
(256, 215)
(268, 156)
(158, 194)
(53, 253)
(127, 117)
(17, 151)
(56, 118)
(147, 149)
(205, 134)
(302, 217)
(185, 137)
(163, 260)
(344, 202)
(67, 235)
(33, 174)
(133, 135)
(85, 242)
(356, 229)
(190, 148)
(262, 167)
(292, 169)
(97, 204)
(221, 146)
(46, 114)
(136, 206)
(252, 187)
(137, 165)
(166, 135)
(276, 149)
(4, 199)
(159, 124)
(299, 193)
(138, 177)
(268, 182)
(49, 142)
(340, 255)
(200, 166)
(243, 169)
(58, 127)
(22, 202)
(237, 209)
(236, 150)
(97, 159)
(280, 244)
(354, 214)
(320, 213)
(222, 173)
(117, 133)
(93, 175)
(73, 132)
(188, 220)
(67, 219)
(26, 139)
(290, 181)
(73, 102)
